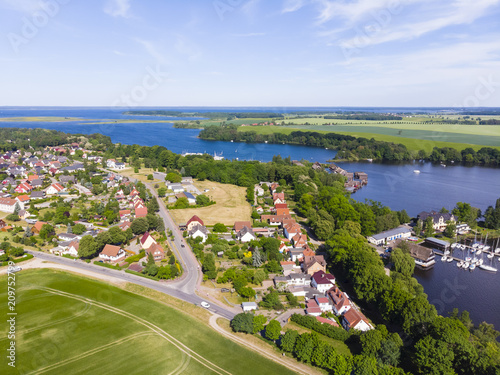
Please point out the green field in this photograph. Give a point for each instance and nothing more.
(413, 136)
(68, 324)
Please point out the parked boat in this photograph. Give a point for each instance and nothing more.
(449, 259)
(443, 258)
(472, 267)
(416, 171)
(460, 264)
(488, 268)
(466, 265)
(479, 251)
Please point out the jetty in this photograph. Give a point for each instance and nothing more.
(355, 181)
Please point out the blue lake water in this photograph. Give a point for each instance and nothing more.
(396, 186)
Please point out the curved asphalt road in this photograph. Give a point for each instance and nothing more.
(184, 288)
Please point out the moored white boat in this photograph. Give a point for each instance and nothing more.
(450, 259)
(472, 267)
(416, 171)
(488, 268)
(443, 258)
(479, 251)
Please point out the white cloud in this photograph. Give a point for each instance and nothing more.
(248, 35)
(293, 5)
(118, 8)
(28, 6)
(152, 49)
(185, 46)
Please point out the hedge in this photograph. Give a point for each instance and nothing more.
(310, 322)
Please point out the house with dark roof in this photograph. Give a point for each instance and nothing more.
(439, 220)
(313, 264)
(246, 234)
(322, 281)
(147, 240)
(390, 235)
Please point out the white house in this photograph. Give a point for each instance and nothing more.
(190, 197)
(54, 189)
(112, 253)
(259, 191)
(119, 166)
(248, 306)
(199, 231)
(323, 303)
(147, 240)
(390, 235)
(246, 235)
(322, 281)
(176, 188)
(354, 319)
(9, 205)
(72, 249)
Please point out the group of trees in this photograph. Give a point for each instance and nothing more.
(492, 216)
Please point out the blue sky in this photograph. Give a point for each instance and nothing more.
(275, 53)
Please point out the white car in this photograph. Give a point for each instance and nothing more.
(205, 304)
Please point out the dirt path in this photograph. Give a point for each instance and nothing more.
(285, 361)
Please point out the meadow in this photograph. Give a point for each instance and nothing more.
(71, 324)
(231, 205)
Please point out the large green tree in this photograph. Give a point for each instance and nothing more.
(88, 247)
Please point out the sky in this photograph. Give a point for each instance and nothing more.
(273, 53)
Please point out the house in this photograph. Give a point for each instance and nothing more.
(67, 236)
(112, 253)
(23, 188)
(199, 231)
(259, 191)
(322, 281)
(72, 249)
(195, 220)
(157, 252)
(38, 226)
(249, 306)
(124, 214)
(439, 220)
(36, 183)
(23, 199)
(259, 209)
(246, 235)
(147, 240)
(300, 240)
(323, 303)
(424, 257)
(291, 229)
(340, 300)
(141, 212)
(176, 188)
(278, 198)
(2, 224)
(67, 179)
(190, 197)
(354, 319)
(119, 166)
(187, 180)
(292, 280)
(54, 189)
(239, 225)
(312, 308)
(281, 209)
(390, 235)
(296, 254)
(313, 264)
(125, 225)
(9, 205)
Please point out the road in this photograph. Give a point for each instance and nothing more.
(183, 288)
(172, 289)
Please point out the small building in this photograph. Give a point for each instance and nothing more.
(312, 308)
(437, 243)
(323, 303)
(238, 225)
(190, 197)
(313, 264)
(249, 306)
(424, 257)
(390, 235)
(340, 300)
(156, 251)
(176, 188)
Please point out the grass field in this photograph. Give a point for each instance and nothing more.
(414, 136)
(231, 205)
(67, 324)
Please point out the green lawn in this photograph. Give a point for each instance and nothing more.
(71, 324)
(339, 346)
(415, 137)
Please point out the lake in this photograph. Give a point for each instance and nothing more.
(396, 186)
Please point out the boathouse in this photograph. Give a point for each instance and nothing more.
(437, 243)
(424, 257)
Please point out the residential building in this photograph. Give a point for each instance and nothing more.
(37, 195)
(141, 212)
(9, 205)
(439, 220)
(147, 240)
(312, 308)
(112, 253)
(24, 187)
(195, 220)
(390, 235)
(313, 264)
(278, 198)
(322, 281)
(246, 234)
(199, 231)
(239, 225)
(340, 300)
(323, 303)
(190, 197)
(157, 252)
(54, 189)
(354, 319)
